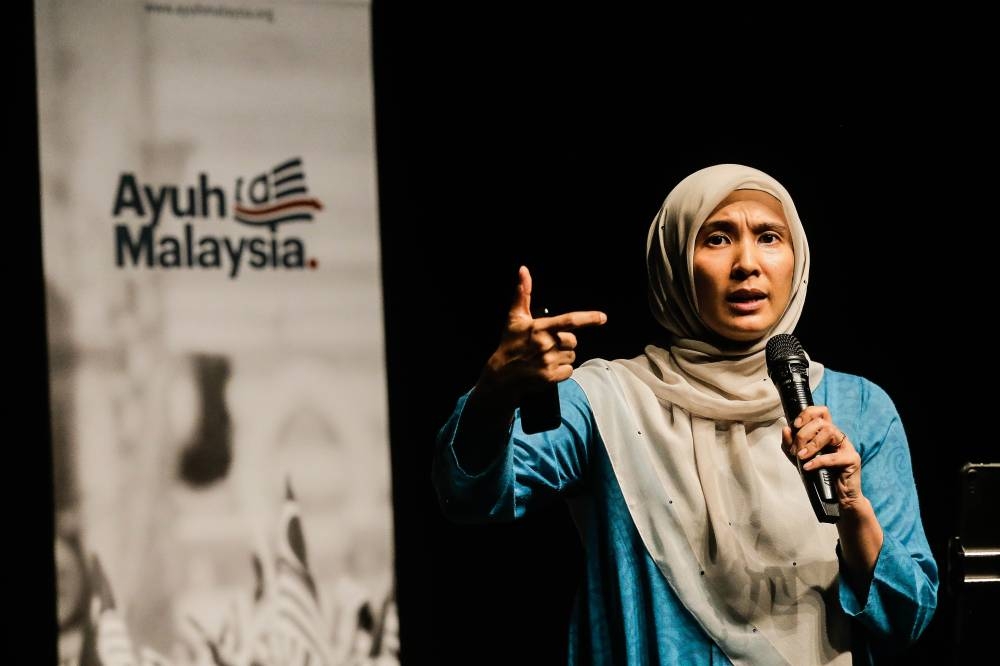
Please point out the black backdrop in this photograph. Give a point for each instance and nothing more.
(514, 137)
(509, 136)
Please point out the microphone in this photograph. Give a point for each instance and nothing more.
(788, 368)
(540, 409)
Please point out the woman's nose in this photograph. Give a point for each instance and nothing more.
(746, 262)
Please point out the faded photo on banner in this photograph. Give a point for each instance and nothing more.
(218, 385)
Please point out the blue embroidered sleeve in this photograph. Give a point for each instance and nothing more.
(902, 595)
(530, 469)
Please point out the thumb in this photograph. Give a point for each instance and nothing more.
(522, 301)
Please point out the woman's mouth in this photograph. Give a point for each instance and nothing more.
(746, 300)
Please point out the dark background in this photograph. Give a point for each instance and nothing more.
(509, 136)
(514, 137)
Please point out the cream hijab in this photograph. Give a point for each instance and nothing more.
(694, 436)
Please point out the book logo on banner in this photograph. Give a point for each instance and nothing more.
(262, 207)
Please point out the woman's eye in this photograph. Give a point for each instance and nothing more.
(769, 237)
(716, 239)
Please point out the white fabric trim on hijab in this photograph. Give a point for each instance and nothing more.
(693, 433)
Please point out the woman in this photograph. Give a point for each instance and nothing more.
(701, 546)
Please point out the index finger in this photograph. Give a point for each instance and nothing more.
(811, 413)
(571, 320)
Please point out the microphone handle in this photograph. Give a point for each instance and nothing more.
(818, 482)
(540, 409)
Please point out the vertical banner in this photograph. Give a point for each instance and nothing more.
(211, 259)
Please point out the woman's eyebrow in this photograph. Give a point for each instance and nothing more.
(768, 226)
(725, 224)
(721, 223)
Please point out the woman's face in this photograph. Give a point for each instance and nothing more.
(743, 266)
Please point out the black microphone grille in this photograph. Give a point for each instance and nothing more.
(783, 346)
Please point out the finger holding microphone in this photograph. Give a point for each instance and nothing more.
(534, 351)
(788, 367)
(539, 352)
(824, 446)
(819, 444)
(533, 356)
(829, 464)
(540, 410)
